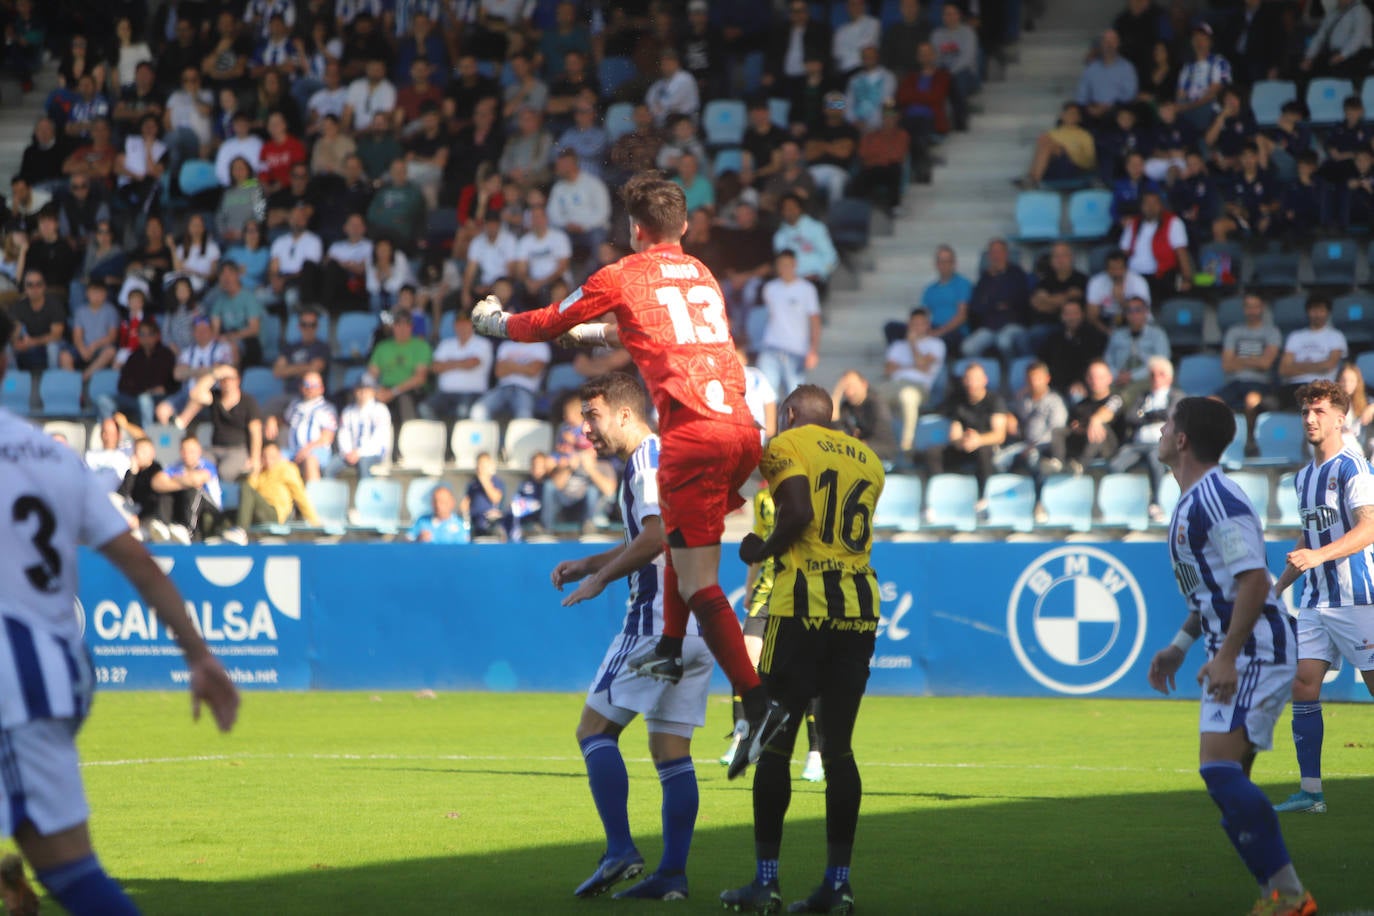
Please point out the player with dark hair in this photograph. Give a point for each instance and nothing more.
(1216, 544)
(57, 504)
(614, 412)
(1335, 566)
(822, 624)
(670, 315)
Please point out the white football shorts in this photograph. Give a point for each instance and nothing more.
(676, 709)
(1261, 693)
(40, 777)
(1328, 633)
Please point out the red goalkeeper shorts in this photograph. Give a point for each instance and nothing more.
(703, 465)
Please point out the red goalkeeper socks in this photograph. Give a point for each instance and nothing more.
(720, 629)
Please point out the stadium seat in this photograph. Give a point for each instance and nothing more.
(230, 495)
(15, 390)
(1011, 502)
(1168, 497)
(377, 505)
(196, 177)
(420, 444)
(261, 384)
(1287, 499)
(1068, 502)
(60, 392)
(951, 501)
(269, 337)
(1016, 375)
(74, 432)
(563, 377)
(755, 323)
(1181, 319)
(1267, 98)
(620, 120)
(1275, 270)
(1234, 454)
(1333, 262)
(1353, 313)
(1365, 361)
(1123, 501)
(1200, 374)
(103, 382)
(727, 160)
(1280, 438)
(446, 325)
(990, 366)
(931, 430)
(849, 222)
(1097, 257)
(524, 438)
(778, 111)
(330, 499)
(1256, 487)
(417, 496)
(1289, 312)
(1230, 312)
(614, 72)
(293, 326)
(1037, 216)
(723, 122)
(891, 13)
(166, 441)
(899, 506)
(752, 72)
(351, 377)
(1090, 214)
(1325, 100)
(472, 437)
(355, 332)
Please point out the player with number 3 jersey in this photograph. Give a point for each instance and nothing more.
(670, 315)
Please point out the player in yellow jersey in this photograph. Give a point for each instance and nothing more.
(757, 587)
(822, 623)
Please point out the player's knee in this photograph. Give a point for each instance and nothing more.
(1308, 689)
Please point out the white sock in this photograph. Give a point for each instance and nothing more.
(1311, 784)
(1285, 881)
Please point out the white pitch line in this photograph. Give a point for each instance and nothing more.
(498, 758)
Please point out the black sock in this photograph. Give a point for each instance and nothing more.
(754, 702)
(737, 710)
(669, 647)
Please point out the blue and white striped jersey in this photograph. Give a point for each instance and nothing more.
(306, 420)
(1327, 499)
(638, 501)
(50, 504)
(1214, 536)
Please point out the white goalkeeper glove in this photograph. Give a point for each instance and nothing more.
(584, 335)
(488, 319)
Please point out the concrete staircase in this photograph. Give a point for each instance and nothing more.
(971, 199)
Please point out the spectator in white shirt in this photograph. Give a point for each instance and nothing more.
(1310, 353)
(243, 144)
(293, 268)
(792, 336)
(491, 256)
(113, 453)
(542, 256)
(311, 425)
(346, 262)
(759, 396)
(462, 366)
(1166, 265)
(861, 31)
(369, 95)
(1109, 291)
(913, 365)
(519, 371)
(331, 100)
(187, 118)
(674, 93)
(579, 204)
(364, 435)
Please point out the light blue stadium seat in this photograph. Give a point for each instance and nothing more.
(1365, 361)
(1234, 455)
(472, 437)
(1353, 314)
(614, 72)
(1068, 502)
(1326, 98)
(727, 160)
(990, 366)
(563, 377)
(230, 495)
(778, 111)
(1123, 501)
(1287, 499)
(755, 323)
(931, 430)
(1333, 262)
(1230, 312)
(377, 504)
(421, 444)
(330, 499)
(1011, 502)
(1289, 313)
(60, 392)
(1016, 374)
(1267, 98)
(1181, 318)
(261, 383)
(418, 496)
(351, 377)
(1090, 214)
(354, 339)
(196, 177)
(723, 121)
(525, 437)
(1037, 216)
(1256, 488)
(1275, 270)
(1280, 438)
(1168, 498)
(950, 502)
(620, 120)
(15, 390)
(103, 382)
(899, 507)
(293, 327)
(1200, 374)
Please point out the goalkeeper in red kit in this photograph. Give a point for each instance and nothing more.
(670, 316)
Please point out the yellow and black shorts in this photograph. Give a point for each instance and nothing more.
(805, 657)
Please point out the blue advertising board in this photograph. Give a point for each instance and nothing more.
(1024, 619)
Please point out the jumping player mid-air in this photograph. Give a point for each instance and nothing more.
(1216, 545)
(670, 315)
(614, 407)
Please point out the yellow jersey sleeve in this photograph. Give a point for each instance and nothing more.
(783, 458)
(765, 515)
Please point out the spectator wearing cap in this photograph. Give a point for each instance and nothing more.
(956, 49)
(95, 330)
(1065, 152)
(527, 154)
(41, 320)
(444, 523)
(541, 256)
(244, 144)
(519, 372)
(426, 154)
(870, 88)
(1310, 353)
(147, 374)
(236, 426)
(912, 367)
(400, 364)
(587, 139)
(236, 314)
(364, 435)
(1201, 80)
(674, 92)
(311, 426)
(369, 95)
(1107, 81)
(1341, 46)
(397, 210)
(809, 239)
(1156, 246)
(461, 367)
(999, 306)
(579, 204)
(831, 148)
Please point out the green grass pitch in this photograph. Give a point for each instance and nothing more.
(335, 803)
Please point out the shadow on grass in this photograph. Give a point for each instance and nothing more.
(1117, 855)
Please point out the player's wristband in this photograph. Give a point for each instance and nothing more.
(1183, 641)
(586, 335)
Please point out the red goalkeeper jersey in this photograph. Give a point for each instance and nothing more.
(671, 318)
